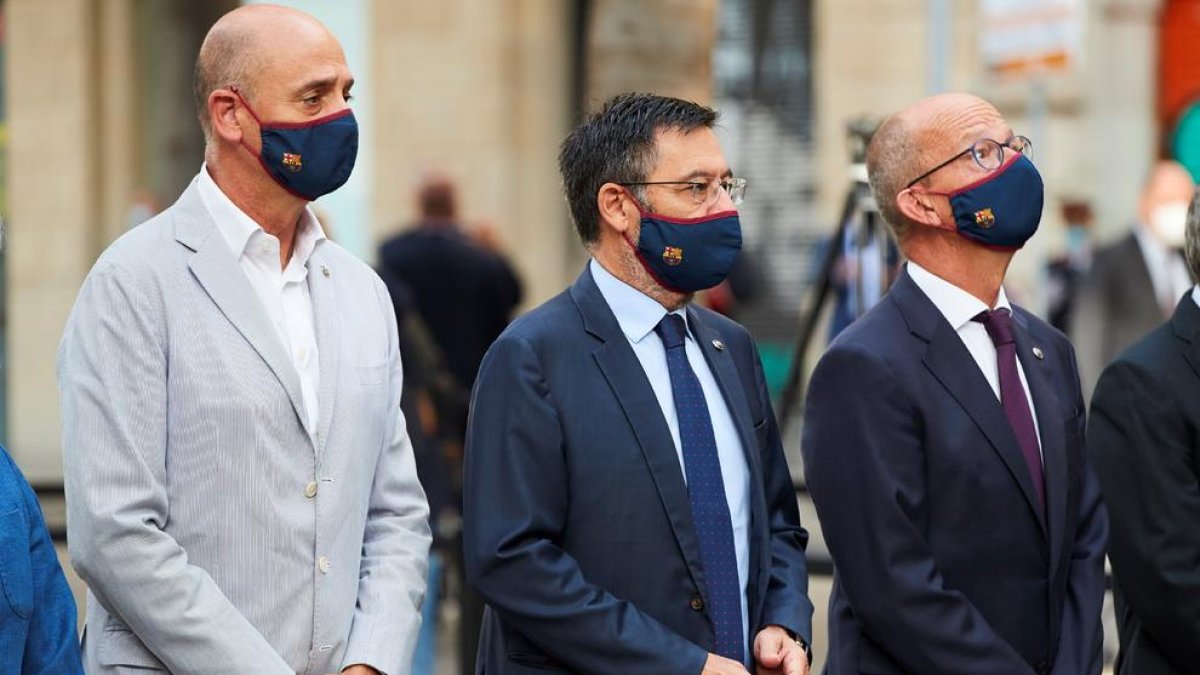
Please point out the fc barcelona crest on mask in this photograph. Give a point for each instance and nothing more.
(985, 218)
(292, 162)
(672, 255)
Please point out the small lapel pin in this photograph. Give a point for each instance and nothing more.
(325, 271)
(1037, 352)
(719, 345)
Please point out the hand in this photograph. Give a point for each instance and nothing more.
(719, 665)
(776, 653)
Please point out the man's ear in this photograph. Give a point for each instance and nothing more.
(617, 208)
(921, 207)
(222, 114)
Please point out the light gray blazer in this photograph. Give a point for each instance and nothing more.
(214, 535)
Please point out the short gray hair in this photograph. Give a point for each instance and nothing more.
(890, 158)
(228, 57)
(1191, 242)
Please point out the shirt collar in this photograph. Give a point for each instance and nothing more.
(238, 229)
(958, 306)
(637, 313)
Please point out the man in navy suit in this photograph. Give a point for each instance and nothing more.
(943, 435)
(628, 506)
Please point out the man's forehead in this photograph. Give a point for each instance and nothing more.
(697, 152)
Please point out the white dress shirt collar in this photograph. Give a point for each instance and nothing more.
(637, 313)
(958, 306)
(239, 229)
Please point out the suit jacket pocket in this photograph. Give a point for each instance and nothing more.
(120, 647)
(16, 572)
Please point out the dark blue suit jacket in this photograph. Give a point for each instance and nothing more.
(37, 611)
(578, 531)
(944, 564)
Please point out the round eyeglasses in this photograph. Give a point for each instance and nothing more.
(987, 153)
(705, 190)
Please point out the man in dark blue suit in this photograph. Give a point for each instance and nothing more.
(628, 506)
(943, 435)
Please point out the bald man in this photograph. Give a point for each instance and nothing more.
(943, 433)
(1136, 282)
(241, 489)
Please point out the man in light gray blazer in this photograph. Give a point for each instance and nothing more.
(241, 490)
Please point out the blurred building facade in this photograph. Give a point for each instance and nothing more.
(99, 130)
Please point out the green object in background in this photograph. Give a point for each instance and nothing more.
(776, 362)
(1185, 141)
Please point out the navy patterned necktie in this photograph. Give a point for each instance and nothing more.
(1012, 395)
(706, 491)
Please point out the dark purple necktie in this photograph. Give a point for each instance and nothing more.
(1012, 395)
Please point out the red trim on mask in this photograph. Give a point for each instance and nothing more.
(971, 186)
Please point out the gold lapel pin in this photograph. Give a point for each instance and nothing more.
(325, 271)
(719, 345)
(1037, 352)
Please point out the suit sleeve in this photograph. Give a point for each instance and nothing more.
(515, 508)
(52, 645)
(786, 603)
(1081, 638)
(865, 468)
(113, 384)
(395, 553)
(1144, 453)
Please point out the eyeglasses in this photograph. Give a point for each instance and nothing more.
(705, 191)
(987, 153)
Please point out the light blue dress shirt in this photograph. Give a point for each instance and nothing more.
(638, 314)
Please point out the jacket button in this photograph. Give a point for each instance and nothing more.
(1042, 668)
(697, 603)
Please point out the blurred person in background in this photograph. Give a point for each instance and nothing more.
(628, 507)
(37, 610)
(1065, 273)
(1134, 283)
(943, 430)
(241, 495)
(1144, 437)
(464, 292)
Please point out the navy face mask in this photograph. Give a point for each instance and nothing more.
(309, 159)
(1003, 209)
(689, 254)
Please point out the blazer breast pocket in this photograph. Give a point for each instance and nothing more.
(120, 647)
(16, 571)
(370, 375)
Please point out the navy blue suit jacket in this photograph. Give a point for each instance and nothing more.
(944, 564)
(577, 526)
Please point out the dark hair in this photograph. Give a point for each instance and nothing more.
(617, 145)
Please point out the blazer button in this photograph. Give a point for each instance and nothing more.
(697, 603)
(1042, 667)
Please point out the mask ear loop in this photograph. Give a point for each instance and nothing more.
(237, 92)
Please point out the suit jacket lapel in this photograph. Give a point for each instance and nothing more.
(322, 288)
(625, 376)
(949, 361)
(1050, 430)
(216, 269)
(1185, 322)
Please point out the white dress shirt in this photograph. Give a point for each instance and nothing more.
(638, 314)
(1169, 275)
(283, 292)
(960, 307)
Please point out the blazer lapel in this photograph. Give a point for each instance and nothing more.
(1053, 435)
(1185, 322)
(624, 374)
(322, 289)
(216, 269)
(949, 361)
